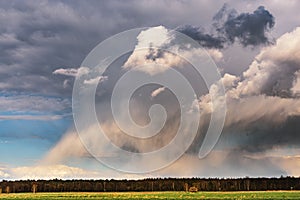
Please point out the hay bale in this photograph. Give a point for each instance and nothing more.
(193, 189)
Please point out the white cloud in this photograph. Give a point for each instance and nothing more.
(157, 91)
(47, 172)
(250, 109)
(156, 36)
(296, 84)
(3, 173)
(31, 103)
(66, 83)
(150, 55)
(31, 117)
(96, 80)
(51, 172)
(216, 54)
(194, 106)
(66, 72)
(72, 71)
(274, 67)
(229, 81)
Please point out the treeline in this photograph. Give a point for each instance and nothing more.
(159, 184)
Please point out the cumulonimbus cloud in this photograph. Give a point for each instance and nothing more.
(252, 113)
(261, 103)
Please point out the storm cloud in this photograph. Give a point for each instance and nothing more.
(205, 39)
(249, 29)
(262, 111)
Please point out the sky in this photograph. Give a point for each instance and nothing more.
(44, 45)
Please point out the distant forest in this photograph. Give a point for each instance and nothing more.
(159, 184)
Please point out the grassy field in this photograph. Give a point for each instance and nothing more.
(158, 195)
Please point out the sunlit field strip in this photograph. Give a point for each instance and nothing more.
(158, 195)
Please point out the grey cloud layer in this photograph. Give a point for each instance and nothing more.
(33, 104)
(36, 38)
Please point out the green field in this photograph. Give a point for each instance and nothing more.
(158, 195)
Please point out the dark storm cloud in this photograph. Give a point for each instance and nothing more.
(250, 29)
(247, 28)
(204, 39)
(260, 136)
